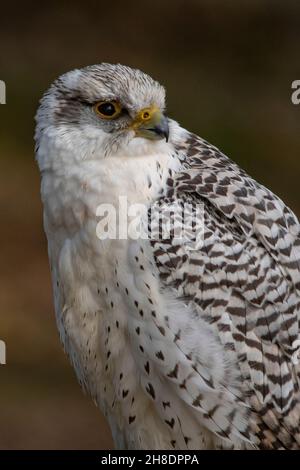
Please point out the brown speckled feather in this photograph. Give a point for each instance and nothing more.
(245, 281)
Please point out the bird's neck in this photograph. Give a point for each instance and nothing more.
(75, 192)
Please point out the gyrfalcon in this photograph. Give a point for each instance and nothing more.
(182, 342)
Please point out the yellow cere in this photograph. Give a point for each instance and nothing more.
(147, 115)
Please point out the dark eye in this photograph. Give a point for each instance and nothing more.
(108, 109)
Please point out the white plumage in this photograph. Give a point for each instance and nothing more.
(180, 348)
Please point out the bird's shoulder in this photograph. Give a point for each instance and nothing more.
(242, 278)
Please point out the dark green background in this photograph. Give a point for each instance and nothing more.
(228, 68)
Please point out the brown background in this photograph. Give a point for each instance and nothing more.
(227, 66)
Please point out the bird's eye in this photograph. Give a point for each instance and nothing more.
(108, 109)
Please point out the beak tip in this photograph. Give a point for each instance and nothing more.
(155, 129)
(162, 129)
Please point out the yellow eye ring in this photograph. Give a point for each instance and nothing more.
(108, 109)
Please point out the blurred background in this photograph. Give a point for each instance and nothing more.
(228, 68)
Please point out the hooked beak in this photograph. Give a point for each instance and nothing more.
(151, 124)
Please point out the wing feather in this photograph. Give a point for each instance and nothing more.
(244, 280)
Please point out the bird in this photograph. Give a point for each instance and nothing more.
(188, 342)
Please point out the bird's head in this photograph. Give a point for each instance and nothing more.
(102, 109)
